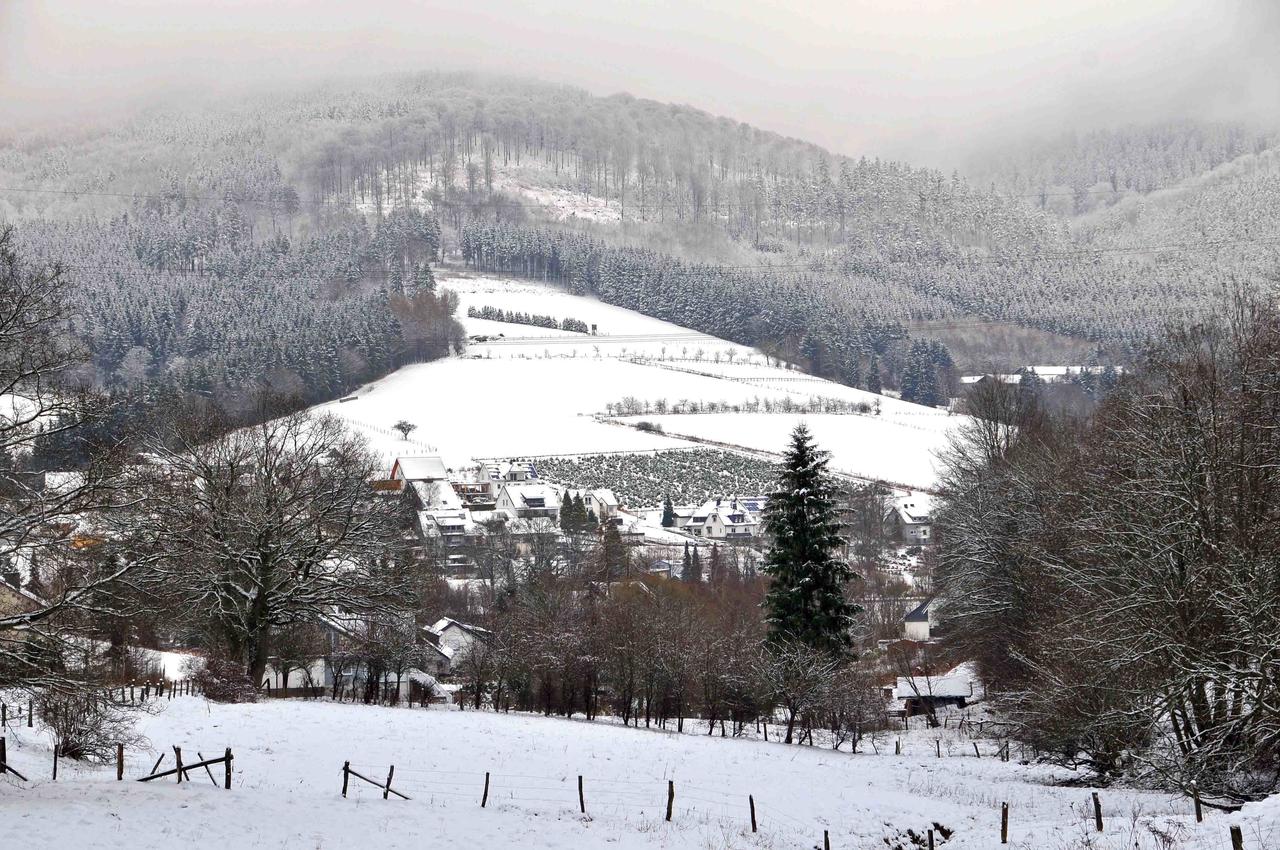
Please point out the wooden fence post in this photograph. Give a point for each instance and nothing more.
(826, 840)
(938, 743)
(1195, 796)
(582, 800)
(976, 751)
(484, 800)
(119, 762)
(671, 796)
(226, 783)
(1097, 812)
(1004, 823)
(931, 839)
(4, 756)
(30, 715)
(55, 762)
(177, 756)
(346, 774)
(1237, 838)
(897, 746)
(4, 715)
(752, 801)
(386, 789)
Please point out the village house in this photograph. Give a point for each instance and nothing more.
(909, 520)
(410, 469)
(455, 638)
(498, 473)
(729, 520)
(601, 503)
(529, 500)
(917, 622)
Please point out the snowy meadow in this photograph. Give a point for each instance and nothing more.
(287, 788)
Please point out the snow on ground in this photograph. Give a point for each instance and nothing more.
(864, 446)
(536, 391)
(559, 203)
(288, 775)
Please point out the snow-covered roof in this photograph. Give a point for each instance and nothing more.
(436, 494)
(523, 493)
(443, 623)
(961, 681)
(914, 509)
(426, 468)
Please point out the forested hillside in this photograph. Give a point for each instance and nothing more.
(1081, 172)
(284, 242)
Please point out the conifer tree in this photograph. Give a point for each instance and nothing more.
(693, 572)
(614, 558)
(424, 280)
(805, 601)
(716, 568)
(668, 513)
(686, 565)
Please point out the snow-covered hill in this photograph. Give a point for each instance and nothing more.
(288, 777)
(539, 391)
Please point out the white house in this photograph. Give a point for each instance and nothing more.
(602, 502)
(452, 640)
(917, 623)
(730, 520)
(498, 473)
(910, 519)
(529, 500)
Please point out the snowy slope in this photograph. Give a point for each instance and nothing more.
(287, 783)
(537, 391)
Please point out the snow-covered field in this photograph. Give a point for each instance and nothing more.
(536, 390)
(288, 776)
(865, 446)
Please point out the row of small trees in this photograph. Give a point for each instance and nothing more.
(497, 314)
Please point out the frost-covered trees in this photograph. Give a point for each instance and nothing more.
(269, 527)
(72, 580)
(1117, 579)
(806, 601)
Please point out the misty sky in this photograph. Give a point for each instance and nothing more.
(930, 81)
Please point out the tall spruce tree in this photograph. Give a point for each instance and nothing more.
(668, 513)
(693, 571)
(805, 601)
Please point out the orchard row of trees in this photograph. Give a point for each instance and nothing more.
(497, 314)
(1116, 577)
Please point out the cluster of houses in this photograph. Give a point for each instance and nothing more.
(457, 509)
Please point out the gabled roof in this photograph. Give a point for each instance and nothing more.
(436, 494)
(520, 492)
(426, 468)
(918, 614)
(443, 623)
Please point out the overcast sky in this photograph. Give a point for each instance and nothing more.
(925, 80)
